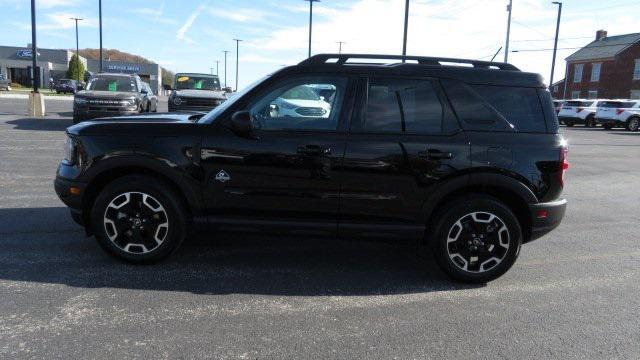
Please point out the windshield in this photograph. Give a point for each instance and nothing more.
(197, 82)
(213, 114)
(65, 81)
(112, 83)
(302, 92)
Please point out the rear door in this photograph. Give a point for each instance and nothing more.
(403, 142)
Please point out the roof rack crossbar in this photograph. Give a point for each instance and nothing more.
(341, 59)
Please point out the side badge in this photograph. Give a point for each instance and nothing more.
(222, 176)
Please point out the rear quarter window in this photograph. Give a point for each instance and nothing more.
(520, 106)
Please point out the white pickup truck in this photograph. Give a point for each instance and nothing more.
(619, 113)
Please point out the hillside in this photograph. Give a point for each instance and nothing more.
(117, 55)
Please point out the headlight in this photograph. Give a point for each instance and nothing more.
(70, 152)
(128, 102)
(79, 100)
(177, 100)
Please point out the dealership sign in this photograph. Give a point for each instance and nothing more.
(25, 53)
(128, 68)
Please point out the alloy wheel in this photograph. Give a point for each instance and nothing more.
(478, 242)
(136, 222)
(634, 124)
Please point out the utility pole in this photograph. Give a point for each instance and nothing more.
(211, 69)
(100, 17)
(77, 50)
(340, 46)
(406, 27)
(225, 66)
(555, 44)
(506, 46)
(217, 66)
(237, 59)
(310, 21)
(34, 48)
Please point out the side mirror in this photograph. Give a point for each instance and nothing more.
(241, 124)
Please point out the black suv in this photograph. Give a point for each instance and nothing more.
(465, 161)
(109, 95)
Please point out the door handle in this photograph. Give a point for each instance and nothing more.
(435, 154)
(314, 150)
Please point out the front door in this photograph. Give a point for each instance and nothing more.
(404, 142)
(285, 177)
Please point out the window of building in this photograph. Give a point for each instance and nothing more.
(575, 94)
(595, 71)
(556, 88)
(403, 106)
(636, 70)
(593, 94)
(635, 94)
(577, 73)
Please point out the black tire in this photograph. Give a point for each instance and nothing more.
(491, 246)
(170, 225)
(633, 124)
(590, 121)
(569, 123)
(607, 127)
(57, 92)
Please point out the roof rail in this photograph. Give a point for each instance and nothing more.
(341, 59)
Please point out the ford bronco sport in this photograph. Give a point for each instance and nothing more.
(464, 161)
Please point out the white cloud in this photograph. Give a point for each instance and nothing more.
(240, 14)
(181, 33)
(155, 14)
(47, 4)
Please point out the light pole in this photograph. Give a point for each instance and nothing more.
(77, 49)
(34, 49)
(555, 43)
(211, 69)
(237, 59)
(406, 27)
(217, 66)
(310, 21)
(225, 66)
(340, 46)
(100, 21)
(506, 46)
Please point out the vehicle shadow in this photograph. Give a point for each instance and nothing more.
(46, 124)
(628, 133)
(43, 245)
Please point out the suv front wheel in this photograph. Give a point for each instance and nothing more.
(138, 219)
(476, 239)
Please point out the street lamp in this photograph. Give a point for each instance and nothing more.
(100, 17)
(506, 46)
(310, 21)
(34, 49)
(77, 49)
(237, 59)
(217, 66)
(225, 67)
(406, 27)
(555, 44)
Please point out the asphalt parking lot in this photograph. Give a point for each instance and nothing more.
(573, 294)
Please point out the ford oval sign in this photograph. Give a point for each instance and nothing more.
(25, 53)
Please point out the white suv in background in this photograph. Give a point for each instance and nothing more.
(579, 111)
(619, 113)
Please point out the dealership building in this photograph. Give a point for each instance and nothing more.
(16, 63)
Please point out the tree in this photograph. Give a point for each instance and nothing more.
(76, 69)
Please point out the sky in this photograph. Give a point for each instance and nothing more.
(190, 35)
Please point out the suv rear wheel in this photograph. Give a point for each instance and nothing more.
(633, 124)
(591, 121)
(476, 239)
(138, 219)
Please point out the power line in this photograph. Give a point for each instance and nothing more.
(574, 48)
(549, 39)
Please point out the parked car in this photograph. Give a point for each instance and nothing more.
(619, 113)
(149, 100)
(300, 101)
(463, 161)
(200, 92)
(5, 84)
(66, 86)
(109, 95)
(579, 111)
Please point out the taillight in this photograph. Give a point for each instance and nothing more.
(619, 111)
(579, 109)
(564, 164)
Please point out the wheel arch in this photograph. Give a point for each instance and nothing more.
(513, 193)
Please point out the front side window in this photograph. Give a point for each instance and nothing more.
(577, 73)
(310, 103)
(595, 71)
(398, 105)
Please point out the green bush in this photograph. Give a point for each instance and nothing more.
(75, 69)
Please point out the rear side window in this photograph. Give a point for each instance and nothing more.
(401, 105)
(519, 106)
